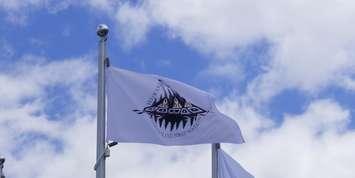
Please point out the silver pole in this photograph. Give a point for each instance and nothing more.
(215, 147)
(2, 161)
(102, 31)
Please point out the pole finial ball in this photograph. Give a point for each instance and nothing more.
(2, 160)
(102, 30)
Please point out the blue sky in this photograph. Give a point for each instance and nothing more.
(286, 77)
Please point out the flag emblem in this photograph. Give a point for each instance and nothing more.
(171, 113)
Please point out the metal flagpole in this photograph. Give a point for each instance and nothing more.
(101, 151)
(215, 147)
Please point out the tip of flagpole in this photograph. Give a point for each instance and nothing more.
(102, 30)
(2, 160)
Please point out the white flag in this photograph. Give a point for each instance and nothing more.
(229, 168)
(145, 108)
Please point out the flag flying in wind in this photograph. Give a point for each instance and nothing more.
(146, 108)
(229, 168)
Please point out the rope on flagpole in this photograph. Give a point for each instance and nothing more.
(104, 154)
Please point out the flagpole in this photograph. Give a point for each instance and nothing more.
(102, 31)
(215, 147)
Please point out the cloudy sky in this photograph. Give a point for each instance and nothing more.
(283, 69)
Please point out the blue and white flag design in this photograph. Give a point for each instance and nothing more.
(145, 108)
(229, 168)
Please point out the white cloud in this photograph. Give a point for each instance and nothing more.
(231, 71)
(348, 83)
(18, 11)
(31, 77)
(311, 147)
(251, 122)
(18, 4)
(108, 6)
(315, 143)
(29, 135)
(133, 24)
(312, 40)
